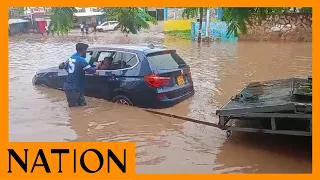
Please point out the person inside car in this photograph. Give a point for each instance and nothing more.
(105, 64)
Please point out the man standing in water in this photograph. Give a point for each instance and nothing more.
(76, 67)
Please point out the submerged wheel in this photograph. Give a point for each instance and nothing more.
(120, 99)
(43, 85)
(228, 133)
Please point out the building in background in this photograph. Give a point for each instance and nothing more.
(18, 26)
(176, 13)
(158, 13)
(217, 29)
(31, 19)
(87, 15)
(173, 19)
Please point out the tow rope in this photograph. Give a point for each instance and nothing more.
(187, 119)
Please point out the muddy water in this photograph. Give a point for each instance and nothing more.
(164, 145)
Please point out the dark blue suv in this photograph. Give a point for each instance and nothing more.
(144, 76)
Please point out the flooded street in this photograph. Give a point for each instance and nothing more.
(164, 145)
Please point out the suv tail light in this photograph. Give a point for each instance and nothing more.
(156, 81)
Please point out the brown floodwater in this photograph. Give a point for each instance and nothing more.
(163, 145)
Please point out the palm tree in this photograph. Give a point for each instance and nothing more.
(131, 20)
(194, 12)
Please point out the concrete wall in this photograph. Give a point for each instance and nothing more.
(174, 20)
(88, 20)
(176, 13)
(172, 25)
(289, 27)
(85, 19)
(217, 31)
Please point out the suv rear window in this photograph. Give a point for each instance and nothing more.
(166, 60)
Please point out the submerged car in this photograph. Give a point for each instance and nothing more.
(145, 76)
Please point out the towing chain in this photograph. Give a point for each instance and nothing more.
(187, 119)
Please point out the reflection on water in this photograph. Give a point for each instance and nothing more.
(164, 145)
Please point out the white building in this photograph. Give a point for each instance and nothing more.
(87, 15)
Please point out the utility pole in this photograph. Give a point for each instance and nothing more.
(200, 24)
(31, 17)
(207, 23)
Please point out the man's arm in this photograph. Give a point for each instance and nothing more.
(64, 65)
(86, 67)
(98, 66)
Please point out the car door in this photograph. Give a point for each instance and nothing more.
(121, 78)
(106, 26)
(113, 25)
(103, 26)
(98, 84)
(114, 74)
(90, 58)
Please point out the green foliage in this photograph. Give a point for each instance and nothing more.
(131, 20)
(61, 20)
(184, 34)
(237, 18)
(306, 10)
(192, 12)
(15, 11)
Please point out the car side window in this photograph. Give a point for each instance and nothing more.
(116, 62)
(129, 60)
(89, 56)
(103, 55)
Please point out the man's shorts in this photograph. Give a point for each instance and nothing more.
(75, 98)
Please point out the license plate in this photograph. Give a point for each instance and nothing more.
(180, 80)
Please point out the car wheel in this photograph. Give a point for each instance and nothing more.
(122, 100)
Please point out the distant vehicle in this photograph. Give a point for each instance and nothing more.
(107, 26)
(144, 76)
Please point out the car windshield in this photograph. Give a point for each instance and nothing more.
(166, 60)
(104, 24)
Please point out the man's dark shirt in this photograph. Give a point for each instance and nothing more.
(76, 67)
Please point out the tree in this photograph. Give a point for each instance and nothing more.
(237, 18)
(131, 20)
(61, 19)
(306, 10)
(194, 12)
(15, 11)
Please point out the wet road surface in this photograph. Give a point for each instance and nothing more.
(164, 145)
